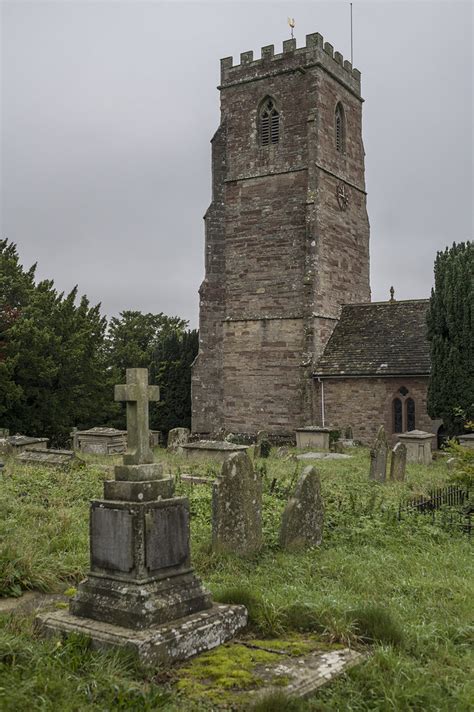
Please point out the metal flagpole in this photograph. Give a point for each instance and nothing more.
(352, 45)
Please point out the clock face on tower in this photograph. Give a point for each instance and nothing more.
(342, 195)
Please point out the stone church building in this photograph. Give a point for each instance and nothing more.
(288, 335)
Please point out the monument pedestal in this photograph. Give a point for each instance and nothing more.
(162, 644)
(141, 591)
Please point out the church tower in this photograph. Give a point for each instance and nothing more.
(287, 235)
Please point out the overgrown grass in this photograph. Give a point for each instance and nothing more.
(404, 588)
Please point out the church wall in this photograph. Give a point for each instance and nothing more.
(366, 403)
(263, 380)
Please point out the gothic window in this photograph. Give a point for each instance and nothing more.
(339, 128)
(410, 406)
(269, 123)
(397, 416)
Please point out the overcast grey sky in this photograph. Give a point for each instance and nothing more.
(108, 108)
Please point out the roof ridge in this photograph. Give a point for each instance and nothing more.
(388, 302)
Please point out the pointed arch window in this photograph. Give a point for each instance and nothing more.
(269, 123)
(410, 406)
(340, 129)
(397, 416)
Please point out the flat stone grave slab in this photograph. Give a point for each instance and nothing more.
(237, 674)
(196, 480)
(214, 450)
(323, 456)
(15, 444)
(50, 458)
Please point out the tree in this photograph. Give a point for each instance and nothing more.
(171, 370)
(133, 341)
(57, 349)
(16, 288)
(450, 332)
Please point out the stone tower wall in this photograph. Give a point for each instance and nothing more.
(281, 256)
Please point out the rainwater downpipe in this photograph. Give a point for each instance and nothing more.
(322, 403)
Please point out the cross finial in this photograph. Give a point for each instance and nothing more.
(137, 394)
(392, 292)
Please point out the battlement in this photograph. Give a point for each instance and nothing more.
(315, 53)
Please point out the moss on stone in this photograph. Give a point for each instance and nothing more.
(229, 673)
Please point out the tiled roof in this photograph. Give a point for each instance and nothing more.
(378, 339)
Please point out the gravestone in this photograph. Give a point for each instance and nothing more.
(177, 437)
(237, 507)
(141, 592)
(50, 458)
(378, 457)
(302, 520)
(398, 463)
(263, 445)
(313, 436)
(418, 444)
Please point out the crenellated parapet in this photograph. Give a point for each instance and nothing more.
(291, 59)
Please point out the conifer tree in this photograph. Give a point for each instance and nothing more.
(172, 372)
(450, 331)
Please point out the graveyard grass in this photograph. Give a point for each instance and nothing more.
(401, 591)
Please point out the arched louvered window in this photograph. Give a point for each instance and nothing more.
(339, 125)
(410, 406)
(269, 123)
(397, 416)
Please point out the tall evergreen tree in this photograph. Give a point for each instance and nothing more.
(172, 372)
(57, 348)
(451, 335)
(16, 288)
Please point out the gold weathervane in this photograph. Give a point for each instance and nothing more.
(291, 22)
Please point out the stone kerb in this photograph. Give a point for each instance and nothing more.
(378, 457)
(237, 507)
(302, 520)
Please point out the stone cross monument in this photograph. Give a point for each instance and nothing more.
(141, 590)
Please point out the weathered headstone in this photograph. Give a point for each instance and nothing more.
(141, 592)
(378, 457)
(398, 463)
(263, 445)
(237, 507)
(177, 437)
(451, 463)
(302, 520)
